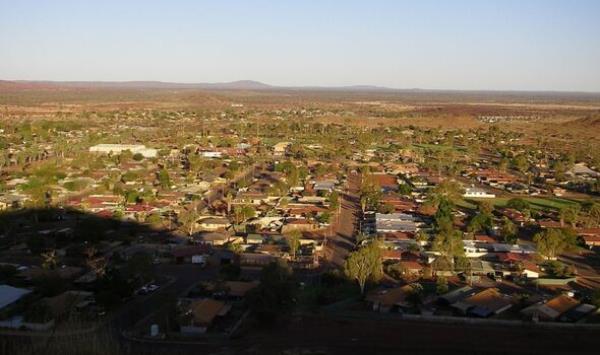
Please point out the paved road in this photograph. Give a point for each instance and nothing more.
(341, 241)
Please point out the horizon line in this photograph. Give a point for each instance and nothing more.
(260, 85)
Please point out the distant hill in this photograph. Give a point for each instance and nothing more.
(251, 85)
(234, 85)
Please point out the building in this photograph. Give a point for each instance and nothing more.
(119, 148)
(202, 315)
(484, 304)
(552, 309)
(213, 223)
(385, 300)
(475, 192)
(281, 148)
(394, 222)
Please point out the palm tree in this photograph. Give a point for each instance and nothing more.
(50, 260)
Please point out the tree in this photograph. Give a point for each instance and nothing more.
(479, 222)
(594, 213)
(509, 231)
(551, 242)
(188, 218)
(334, 200)
(243, 213)
(293, 242)
(570, 214)
(235, 248)
(49, 260)
(364, 265)
(230, 271)
(164, 180)
(449, 190)
(448, 242)
(441, 285)
(404, 189)
(518, 204)
(369, 192)
(520, 163)
(153, 218)
(443, 215)
(274, 297)
(140, 266)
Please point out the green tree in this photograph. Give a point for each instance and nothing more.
(521, 163)
(49, 260)
(274, 297)
(188, 218)
(480, 222)
(449, 190)
(448, 242)
(293, 242)
(164, 179)
(441, 285)
(594, 214)
(365, 264)
(518, 204)
(570, 214)
(334, 200)
(552, 242)
(509, 231)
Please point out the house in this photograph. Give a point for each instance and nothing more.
(324, 185)
(408, 169)
(281, 148)
(119, 148)
(298, 224)
(591, 236)
(578, 313)
(202, 315)
(186, 254)
(411, 267)
(530, 270)
(385, 300)
(239, 289)
(456, 295)
(385, 182)
(394, 222)
(251, 197)
(254, 238)
(214, 238)
(256, 259)
(213, 223)
(475, 192)
(552, 309)
(387, 254)
(211, 154)
(484, 304)
(582, 170)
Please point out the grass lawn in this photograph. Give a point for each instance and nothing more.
(436, 146)
(537, 203)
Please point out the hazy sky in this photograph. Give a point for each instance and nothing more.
(479, 44)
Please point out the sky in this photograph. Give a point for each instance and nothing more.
(459, 44)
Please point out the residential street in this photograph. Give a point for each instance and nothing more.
(341, 241)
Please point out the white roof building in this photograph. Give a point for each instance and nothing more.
(118, 148)
(475, 192)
